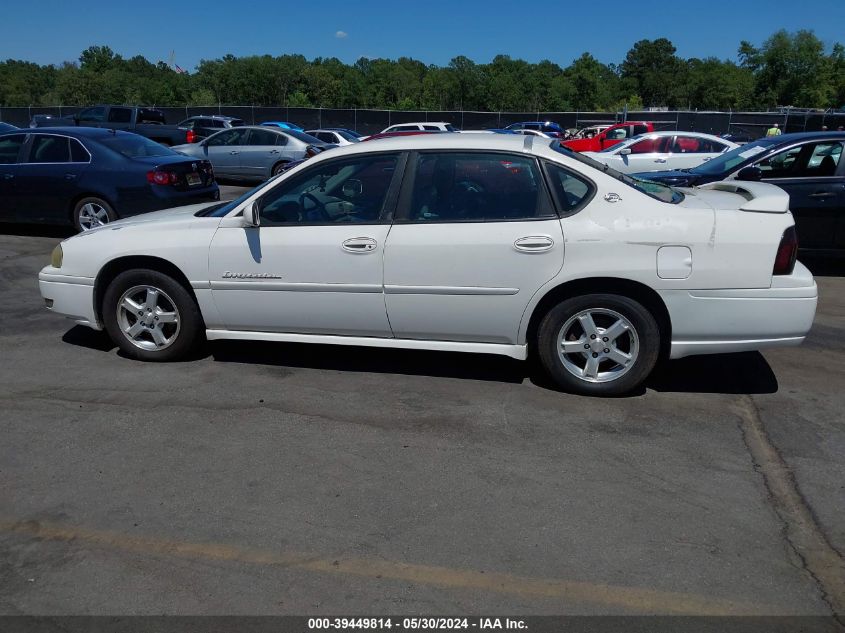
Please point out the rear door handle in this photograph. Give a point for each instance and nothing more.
(359, 245)
(70, 176)
(534, 244)
(234, 152)
(8, 176)
(823, 194)
(659, 160)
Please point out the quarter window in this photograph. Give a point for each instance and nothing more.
(78, 153)
(456, 187)
(10, 146)
(571, 191)
(351, 191)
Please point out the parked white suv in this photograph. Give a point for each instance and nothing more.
(430, 126)
(497, 244)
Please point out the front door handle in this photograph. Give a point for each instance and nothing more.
(70, 176)
(8, 176)
(823, 194)
(274, 151)
(659, 160)
(234, 152)
(534, 244)
(359, 245)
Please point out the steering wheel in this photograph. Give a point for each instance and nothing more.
(318, 206)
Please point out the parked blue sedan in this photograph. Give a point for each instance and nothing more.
(90, 176)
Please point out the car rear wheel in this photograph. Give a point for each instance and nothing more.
(89, 213)
(599, 344)
(151, 316)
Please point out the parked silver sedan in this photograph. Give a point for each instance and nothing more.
(254, 153)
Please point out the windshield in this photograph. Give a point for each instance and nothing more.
(349, 137)
(134, 146)
(732, 159)
(664, 193)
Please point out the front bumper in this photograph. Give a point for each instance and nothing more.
(740, 320)
(72, 297)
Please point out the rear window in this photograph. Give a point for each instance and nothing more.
(302, 136)
(134, 146)
(664, 193)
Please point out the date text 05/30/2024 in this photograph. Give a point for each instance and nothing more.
(414, 624)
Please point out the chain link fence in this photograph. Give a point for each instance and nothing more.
(373, 121)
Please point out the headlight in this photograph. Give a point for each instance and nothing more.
(56, 257)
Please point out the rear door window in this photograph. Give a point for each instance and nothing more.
(261, 137)
(49, 149)
(120, 115)
(473, 187)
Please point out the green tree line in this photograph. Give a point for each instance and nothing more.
(794, 69)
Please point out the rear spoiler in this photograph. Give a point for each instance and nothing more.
(761, 196)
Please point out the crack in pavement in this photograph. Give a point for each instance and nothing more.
(802, 531)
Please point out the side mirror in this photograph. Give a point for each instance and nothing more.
(251, 217)
(625, 152)
(750, 173)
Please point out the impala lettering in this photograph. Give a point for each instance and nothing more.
(231, 275)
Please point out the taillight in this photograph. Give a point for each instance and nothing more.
(158, 177)
(190, 137)
(787, 253)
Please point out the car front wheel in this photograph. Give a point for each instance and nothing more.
(151, 316)
(599, 344)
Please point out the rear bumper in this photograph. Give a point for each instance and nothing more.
(156, 198)
(740, 320)
(71, 297)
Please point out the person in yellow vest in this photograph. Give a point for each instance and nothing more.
(774, 130)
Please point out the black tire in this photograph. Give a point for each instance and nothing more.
(186, 333)
(278, 168)
(83, 212)
(640, 341)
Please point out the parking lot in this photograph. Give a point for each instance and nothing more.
(264, 478)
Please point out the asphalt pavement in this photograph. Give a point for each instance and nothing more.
(264, 478)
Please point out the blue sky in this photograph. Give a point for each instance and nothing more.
(434, 31)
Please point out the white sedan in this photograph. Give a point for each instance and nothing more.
(497, 244)
(659, 151)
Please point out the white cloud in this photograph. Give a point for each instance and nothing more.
(341, 35)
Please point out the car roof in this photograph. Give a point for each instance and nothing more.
(805, 136)
(492, 142)
(214, 116)
(74, 131)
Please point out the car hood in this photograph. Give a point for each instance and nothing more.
(174, 216)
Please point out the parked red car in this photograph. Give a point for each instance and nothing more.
(610, 137)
